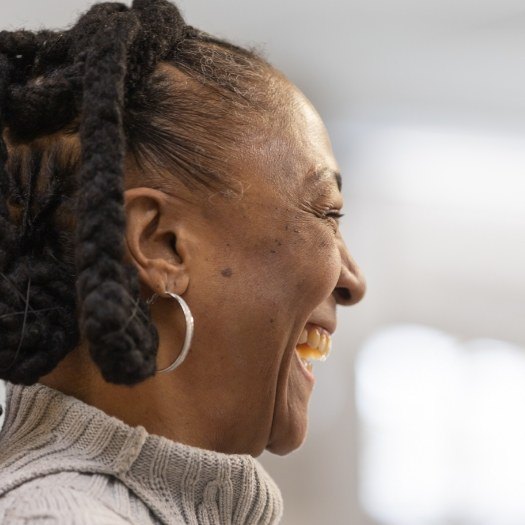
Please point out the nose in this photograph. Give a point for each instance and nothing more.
(351, 286)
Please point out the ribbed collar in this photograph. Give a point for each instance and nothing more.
(46, 431)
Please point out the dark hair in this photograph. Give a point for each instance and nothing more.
(75, 107)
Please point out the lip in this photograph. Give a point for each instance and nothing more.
(328, 325)
(306, 373)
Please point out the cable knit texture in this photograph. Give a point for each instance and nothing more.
(63, 461)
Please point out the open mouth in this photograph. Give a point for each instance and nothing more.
(313, 345)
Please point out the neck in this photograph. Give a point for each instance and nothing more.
(164, 405)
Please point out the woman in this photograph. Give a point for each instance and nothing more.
(154, 178)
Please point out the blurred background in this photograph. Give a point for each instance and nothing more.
(418, 417)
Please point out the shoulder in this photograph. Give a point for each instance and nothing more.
(44, 503)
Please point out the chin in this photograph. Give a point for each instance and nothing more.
(290, 438)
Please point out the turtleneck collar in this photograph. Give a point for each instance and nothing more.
(46, 431)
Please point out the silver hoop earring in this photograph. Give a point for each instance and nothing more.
(190, 326)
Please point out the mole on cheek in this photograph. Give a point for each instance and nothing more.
(227, 272)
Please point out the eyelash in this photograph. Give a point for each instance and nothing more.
(334, 215)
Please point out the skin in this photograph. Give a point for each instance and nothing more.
(255, 268)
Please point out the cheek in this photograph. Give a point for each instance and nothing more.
(313, 268)
(258, 290)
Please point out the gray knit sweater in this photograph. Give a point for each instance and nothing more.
(65, 462)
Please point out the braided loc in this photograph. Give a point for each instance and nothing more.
(123, 346)
(73, 106)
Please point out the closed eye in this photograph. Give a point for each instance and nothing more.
(334, 214)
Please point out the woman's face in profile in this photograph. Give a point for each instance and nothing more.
(263, 265)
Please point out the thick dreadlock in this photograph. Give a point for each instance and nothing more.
(74, 106)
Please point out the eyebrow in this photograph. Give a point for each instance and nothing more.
(328, 173)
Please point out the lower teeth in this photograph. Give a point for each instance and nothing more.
(307, 364)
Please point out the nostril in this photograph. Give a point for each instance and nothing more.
(343, 294)
(351, 286)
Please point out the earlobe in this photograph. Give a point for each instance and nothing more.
(151, 241)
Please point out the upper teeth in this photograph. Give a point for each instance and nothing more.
(317, 339)
(314, 338)
(304, 337)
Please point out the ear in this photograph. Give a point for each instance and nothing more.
(152, 240)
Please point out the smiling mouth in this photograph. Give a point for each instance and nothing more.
(313, 345)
